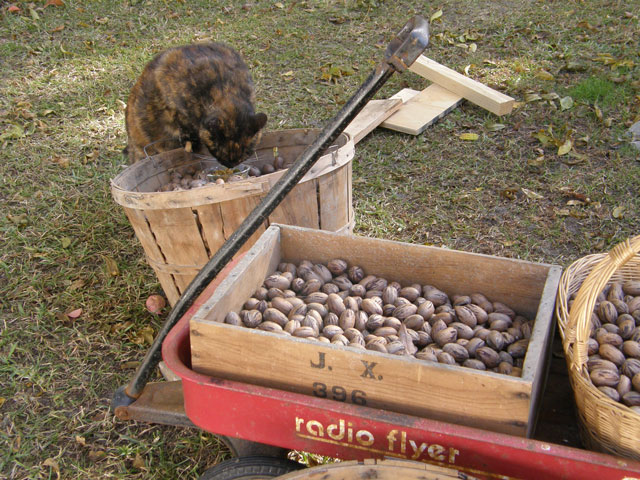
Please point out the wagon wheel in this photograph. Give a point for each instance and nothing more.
(251, 468)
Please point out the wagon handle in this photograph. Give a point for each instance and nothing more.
(401, 52)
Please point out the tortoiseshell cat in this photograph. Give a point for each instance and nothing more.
(200, 93)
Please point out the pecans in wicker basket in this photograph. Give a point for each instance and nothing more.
(606, 425)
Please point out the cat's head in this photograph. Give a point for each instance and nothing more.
(232, 140)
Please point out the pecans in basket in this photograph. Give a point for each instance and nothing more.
(343, 305)
(614, 343)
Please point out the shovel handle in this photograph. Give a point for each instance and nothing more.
(400, 53)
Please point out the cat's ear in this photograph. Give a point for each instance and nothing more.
(258, 121)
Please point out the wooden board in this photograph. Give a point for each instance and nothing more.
(476, 92)
(422, 110)
(372, 115)
(402, 384)
(334, 195)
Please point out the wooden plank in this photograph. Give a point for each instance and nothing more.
(153, 254)
(517, 283)
(263, 260)
(334, 199)
(178, 236)
(402, 384)
(234, 212)
(406, 94)
(423, 110)
(210, 218)
(300, 206)
(476, 92)
(372, 115)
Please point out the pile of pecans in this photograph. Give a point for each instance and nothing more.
(341, 304)
(194, 177)
(614, 343)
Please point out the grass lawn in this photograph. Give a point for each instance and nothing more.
(551, 182)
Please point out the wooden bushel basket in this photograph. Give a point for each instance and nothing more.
(605, 425)
(181, 230)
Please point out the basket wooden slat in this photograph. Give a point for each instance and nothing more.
(605, 425)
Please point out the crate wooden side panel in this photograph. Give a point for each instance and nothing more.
(449, 393)
(260, 261)
(517, 283)
(440, 392)
(538, 358)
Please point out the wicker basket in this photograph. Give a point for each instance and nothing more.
(605, 425)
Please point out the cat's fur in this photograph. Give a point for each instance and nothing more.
(201, 93)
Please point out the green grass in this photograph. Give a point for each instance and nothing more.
(64, 80)
(596, 90)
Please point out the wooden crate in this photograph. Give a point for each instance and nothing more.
(454, 394)
(180, 231)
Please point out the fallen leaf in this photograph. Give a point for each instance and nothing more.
(57, 29)
(76, 285)
(278, 5)
(65, 242)
(54, 3)
(53, 464)
(112, 266)
(155, 303)
(473, 47)
(74, 313)
(13, 9)
(544, 75)
(436, 16)
(531, 97)
(12, 133)
(550, 96)
(531, 194)
(598, 112)
(494, 127)
(62, 161)
(144, 336)
(34, 14)
(138, 462)
(544, 138)
(21, 220)
(469, 137)
(2, 400)
(536, 162)
(509, 193)
(132, 365)
(81, 440)
(96, 455)
(566, 103)
(565, 147)
(618, 212)
(574, 158)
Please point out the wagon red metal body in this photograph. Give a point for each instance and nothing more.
(327, 427)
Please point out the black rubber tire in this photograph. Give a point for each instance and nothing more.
(251, 468)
